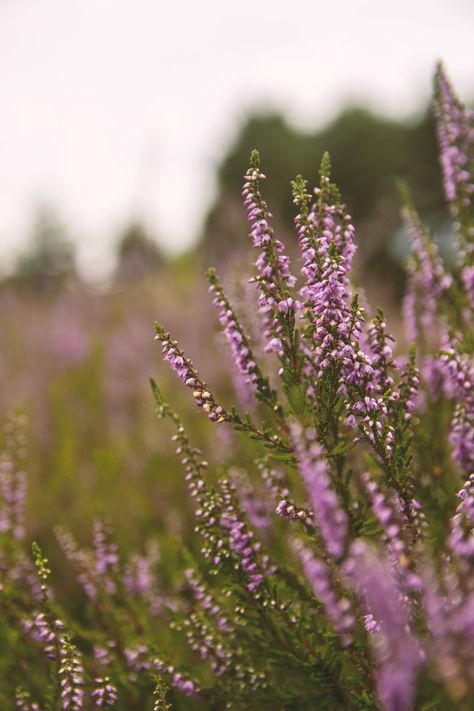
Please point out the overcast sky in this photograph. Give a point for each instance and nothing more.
(113, 108)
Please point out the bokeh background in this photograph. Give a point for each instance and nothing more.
(125, 128)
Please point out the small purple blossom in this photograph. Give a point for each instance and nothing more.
(105, 693)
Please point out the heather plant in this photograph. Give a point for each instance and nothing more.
(331, 566)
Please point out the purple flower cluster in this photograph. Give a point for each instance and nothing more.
(23, 701)
(401, 531)
(13, 479)
(459, 382)
(12, 490)
(398, 654)
(106, 556)
(235, 335)
(201, 638)
(455, 126)
(256, 507)
(45, 631)
(326, 237)
(181, 681)
(105, 693)
(242, 545)
(385, 513)
(427, 281)
(382, 359)
(71, 675)
(449, 608)
(330, 518)
(59, 649)
(287, 509)
(139, 659)
(193, 465)
(409, 386)
(185, 371)
(467, 275)
(326, 289)
(461, 538)
(274, 278)
(140, 577)
(208, 603)
(338, 609)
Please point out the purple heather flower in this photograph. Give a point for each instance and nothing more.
(400, 531)
(23, 701)
(186, 372)
(140, 577)
(71, 675)
(256, 508)
(409, 305)
(330, 518)
(202, 639)
(449, 611)
(337, 609)
(46, 632)
(433, 377)
(181, 681)
(455, 129)
(427, 279)
(207, 601)
(409, 386)
(138, 657)
(274, 279)
(234, 333)
(241, 540)
(13, 493)
(274, 346)
(327, 288)
(105, 693)
(385, 513)
(105, 550)
(383, 363)
(13, 479)
(288, 509)
(371, 625)
(194, 466)
(461, 538)
(459, 379)
(326, 236)
(398, 653)
(105, 655)
(467, 275)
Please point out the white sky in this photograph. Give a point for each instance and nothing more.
(110, 108)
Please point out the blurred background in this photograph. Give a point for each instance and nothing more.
(125, 128)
